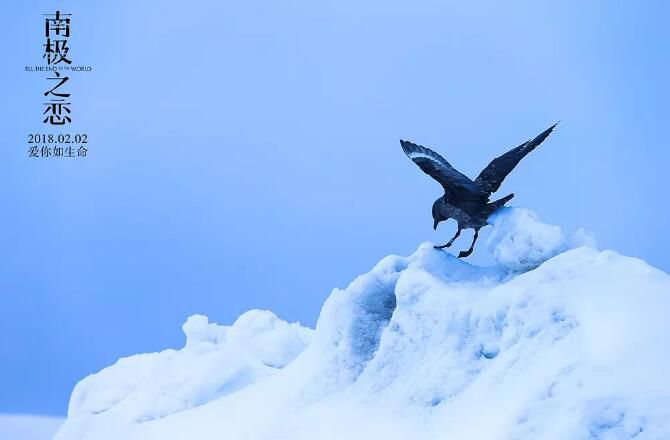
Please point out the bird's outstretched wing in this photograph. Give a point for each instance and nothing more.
(493, 175)
(455, 184)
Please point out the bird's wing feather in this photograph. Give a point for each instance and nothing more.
(455, 184)
(493, 175)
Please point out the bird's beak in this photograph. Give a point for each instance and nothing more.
(434, 225)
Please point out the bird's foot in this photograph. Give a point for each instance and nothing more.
(463, 254)
(443, 246)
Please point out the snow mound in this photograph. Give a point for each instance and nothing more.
(216, 360)
(520, 241)
(422, 347)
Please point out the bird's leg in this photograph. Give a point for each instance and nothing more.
(467, 253)
(458, 232)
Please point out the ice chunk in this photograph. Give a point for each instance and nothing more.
(520, 241)
(559, 341)
(215, 361)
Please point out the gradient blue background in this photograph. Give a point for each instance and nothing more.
(245, 155)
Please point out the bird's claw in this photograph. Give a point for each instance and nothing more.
(463, 254)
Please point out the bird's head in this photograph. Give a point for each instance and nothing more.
(437, 215)
(436, 221)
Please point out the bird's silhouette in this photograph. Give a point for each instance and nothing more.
(465, 200)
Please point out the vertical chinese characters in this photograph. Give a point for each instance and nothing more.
(57, 33)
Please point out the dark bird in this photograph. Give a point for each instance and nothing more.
(464, 200)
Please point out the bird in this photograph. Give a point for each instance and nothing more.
(465, 200)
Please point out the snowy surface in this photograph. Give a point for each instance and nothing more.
(28, 427)
(216, 360)
(520, 241)
(557, 341)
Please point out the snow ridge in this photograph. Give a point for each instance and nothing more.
(556, 341)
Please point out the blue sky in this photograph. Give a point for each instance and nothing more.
(245, 155)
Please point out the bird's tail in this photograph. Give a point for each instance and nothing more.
(498, 203)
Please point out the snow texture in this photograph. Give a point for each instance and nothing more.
(558, 341)
(520, 241)
(216, 360)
